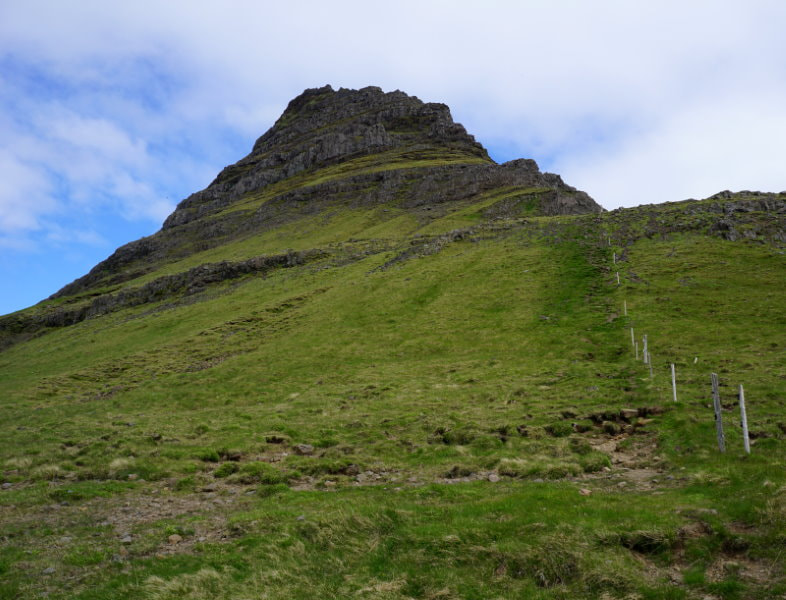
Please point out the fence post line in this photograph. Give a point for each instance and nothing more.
(673, 382)
(718, 416)
(744, 416)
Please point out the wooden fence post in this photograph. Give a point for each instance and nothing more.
(673, 382)
(637, 351)
(718, 416)
(618, 277)
(745, 438)
(649, 361)
(644, 353)
(625, 308)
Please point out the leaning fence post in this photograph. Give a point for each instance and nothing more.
(745, 438)
(644, 353)
(718, 417)
(673, 382)
(618, 277)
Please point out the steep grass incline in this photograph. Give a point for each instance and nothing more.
(454, 416)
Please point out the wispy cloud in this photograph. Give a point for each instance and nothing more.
(24, 194)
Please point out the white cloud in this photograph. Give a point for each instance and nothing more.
(128, 104)
(62, 235)
(25, 195)
(735, 144)
(97, 137)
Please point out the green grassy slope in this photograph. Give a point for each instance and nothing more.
(412, 417)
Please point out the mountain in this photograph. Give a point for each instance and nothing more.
(366, 361)
(362, 149)
(402, 162)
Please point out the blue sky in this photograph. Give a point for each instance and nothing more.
(111, 114)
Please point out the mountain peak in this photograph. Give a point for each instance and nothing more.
(404, 119)
(322, 126)
(333, 150)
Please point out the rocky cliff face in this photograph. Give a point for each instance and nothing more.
(353, 148)
(322, 127)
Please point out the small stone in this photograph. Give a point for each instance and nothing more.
(330, 484)
(300, 518)
(48, 571)
(629, 413)
(65, 539)
(116, 558)
(132, 476)
(493, 477)
(538, 480)
(585, 492)
(127, 539)
(201, 538)
(622, 484)
(175, 538)
(607, 469)
(304, 449)
(731, 567)
(7, 485)
(610, 427)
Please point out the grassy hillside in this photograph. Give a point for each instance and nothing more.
(414, 414)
